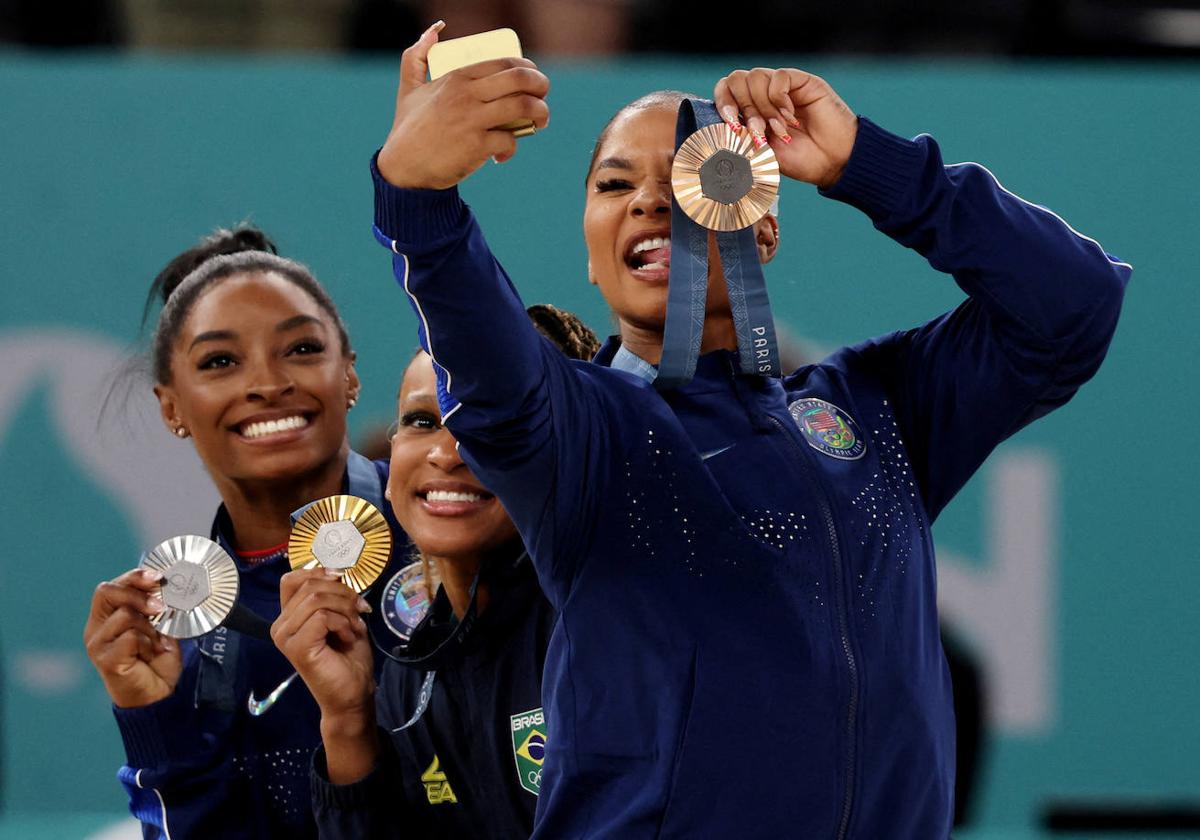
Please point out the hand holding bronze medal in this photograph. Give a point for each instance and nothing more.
(720, 182)
(344, 533)
(199, 586)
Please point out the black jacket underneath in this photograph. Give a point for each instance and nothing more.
(465, 763)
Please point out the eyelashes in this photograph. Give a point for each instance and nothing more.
(424, 420)
(613, 184)
(223, 359)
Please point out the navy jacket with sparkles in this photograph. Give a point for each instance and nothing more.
(747, 644)
(198, 765)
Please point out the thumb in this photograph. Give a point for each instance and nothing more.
(414, 63)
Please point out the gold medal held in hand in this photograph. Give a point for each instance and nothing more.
(343, 533)
(721, 181)
(199, 586)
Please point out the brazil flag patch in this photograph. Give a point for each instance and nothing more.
(529, 747)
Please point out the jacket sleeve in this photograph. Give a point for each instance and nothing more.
(374, 807)
(176, 773)
(1042, 305)
(529, 422)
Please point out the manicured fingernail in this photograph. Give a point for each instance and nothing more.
(785, 137)
(438, 26)
(759, 140)
(363, 606)
(730, 115)
(152, 574)
(154, 603)
(332, 574)
(792, 121)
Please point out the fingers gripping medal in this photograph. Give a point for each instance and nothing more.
(199, 586)
(720, 182)
(343, 533)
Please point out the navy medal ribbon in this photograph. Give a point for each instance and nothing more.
(718, 183)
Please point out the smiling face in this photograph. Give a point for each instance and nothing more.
(260, 380)
(440, 505)
(627, 221)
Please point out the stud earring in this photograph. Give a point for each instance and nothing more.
(350, 403)
(181, 432)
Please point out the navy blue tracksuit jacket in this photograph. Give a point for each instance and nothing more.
(747, 643)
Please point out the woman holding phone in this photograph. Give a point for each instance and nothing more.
(747, 642)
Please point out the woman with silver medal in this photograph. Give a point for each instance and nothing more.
(251, 363)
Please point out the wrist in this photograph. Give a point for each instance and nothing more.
(347, 725)
(403, 172)
(351, 747)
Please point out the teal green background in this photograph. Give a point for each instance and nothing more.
(110, 165)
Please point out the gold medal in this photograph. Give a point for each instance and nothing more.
(721, 181)
(343, 533)
(199, 586)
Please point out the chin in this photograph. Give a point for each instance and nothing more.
(283, 464)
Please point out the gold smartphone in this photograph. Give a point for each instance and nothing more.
(445, 56)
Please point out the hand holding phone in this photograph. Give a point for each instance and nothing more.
(445, 56)
(444, 130)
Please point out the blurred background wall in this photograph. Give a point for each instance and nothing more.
(1069, 564)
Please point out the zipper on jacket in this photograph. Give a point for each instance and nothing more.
(843, 628)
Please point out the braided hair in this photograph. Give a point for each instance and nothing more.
(565, 330)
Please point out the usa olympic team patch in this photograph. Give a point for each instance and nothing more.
(404, 600)
(828, 429)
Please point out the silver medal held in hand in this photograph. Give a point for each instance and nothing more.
(199, 586)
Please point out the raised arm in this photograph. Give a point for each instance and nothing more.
(1043, 298)
(511, 399)
(1042, 307)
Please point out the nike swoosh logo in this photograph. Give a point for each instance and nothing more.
(704, 456)
(261, 707)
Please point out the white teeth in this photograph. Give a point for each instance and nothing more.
(451, 496)
(272, 427)
(652, 265)
(650, 244)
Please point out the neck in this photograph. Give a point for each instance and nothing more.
(647, 343)
(457, 574)
(261, 510)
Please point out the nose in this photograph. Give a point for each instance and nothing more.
(653, 198)
(443, 452)
(268, 383)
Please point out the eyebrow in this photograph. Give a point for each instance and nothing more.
(228, 335)
(614, 163)
(213, 335)
(421, 397)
